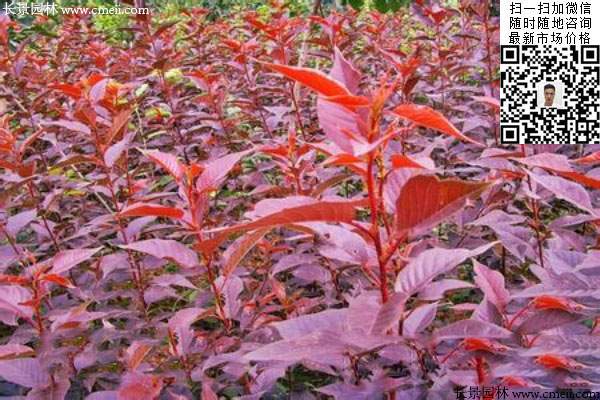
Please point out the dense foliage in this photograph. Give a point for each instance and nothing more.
(267, 206)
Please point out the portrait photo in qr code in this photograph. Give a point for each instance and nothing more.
(550, 94)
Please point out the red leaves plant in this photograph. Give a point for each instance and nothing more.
(241, 206)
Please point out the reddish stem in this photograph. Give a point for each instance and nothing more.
(372, 190)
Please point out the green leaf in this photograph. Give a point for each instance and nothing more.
(384, 6)
(356, 4)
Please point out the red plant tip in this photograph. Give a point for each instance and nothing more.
(479, 344)
(547, 302)
(552, 361)
(312, 79)
(593, 158)
(515, 381)
(427, 117)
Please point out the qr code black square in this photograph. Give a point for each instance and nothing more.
(575, 70)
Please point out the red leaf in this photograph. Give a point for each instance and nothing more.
(163, 27)
(8, 165)
(402, 161)
(429, 118)
(26, 170)
(313, 79)
(232, 44)
(137, 386)
(68, 89)
(580, 178)
(424, 201)
(487, 345)
(515, 381)
(14, 279)
(349, 101)
(119, 122)
(59, 280)
(552, 361)
(29, 141)
(194, 170)
(168, 162)
(589, 159)
(238, 250)
(342, 159)
(547, 302)
(136, 353)
(146, 209)
(330, 211)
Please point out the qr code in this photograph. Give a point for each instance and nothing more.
(550, 94)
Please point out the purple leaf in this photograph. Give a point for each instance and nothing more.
(472, 328)
(419, 319)
(173, 280)
(344, 245)
(292, 260)
(331, 349)
(547, 319)
(421, 270)
(112, 262)
(103, 395)
(389, 313)
(71, 125)
(166, 249)
(564, 189)
(436, 290)
(180, 326)
(74, 317)
(571, 345)
(337, 121)
(344, 72)
(67, 259)
(548, 161)
(16, 222)
(26, 372)
(516, 239)
(114, 152)
(333, 320)
(216, 170)
(236, 252)
(491, 284)
(231, 290)
(12, 350)
(11, 308)
(98, 90)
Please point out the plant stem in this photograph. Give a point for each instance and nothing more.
(372, 190)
